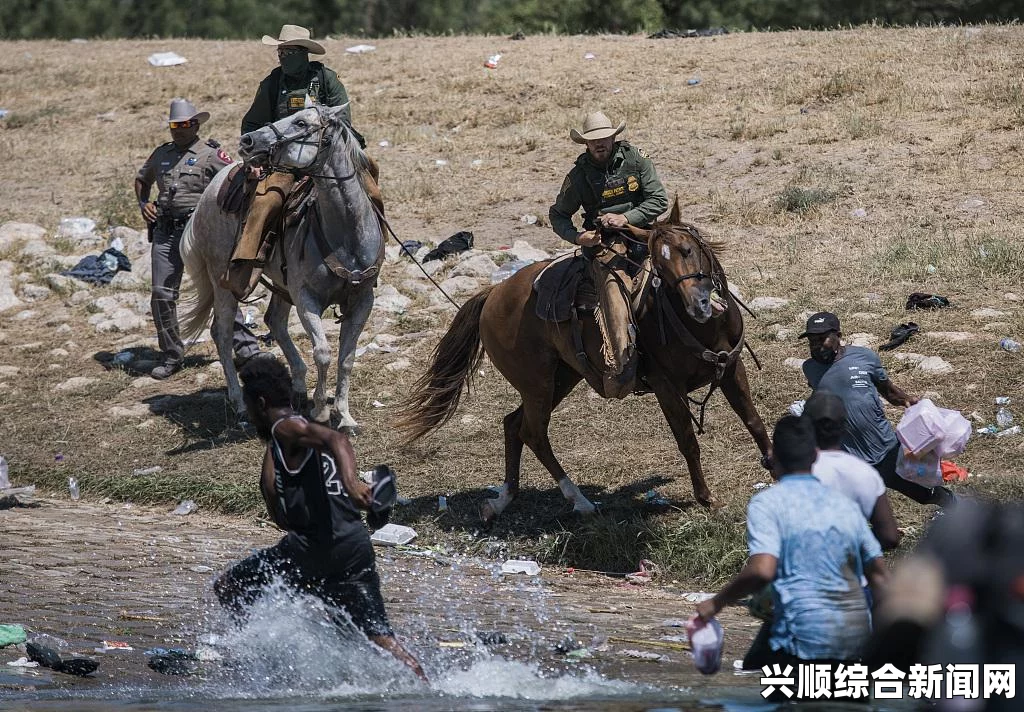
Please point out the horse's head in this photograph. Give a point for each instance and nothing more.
(294, 143)
(686, 264)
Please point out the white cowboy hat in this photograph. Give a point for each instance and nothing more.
(596, 126)
(185, 110)
(294, 36)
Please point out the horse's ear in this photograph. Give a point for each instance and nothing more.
(675, 217)
(336, 112)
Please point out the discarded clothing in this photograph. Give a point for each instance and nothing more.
(48, 657)
(922, 300)
(100, 269)
(899, 336)
(411, 247)
(952, 472)
(11, 635)
(459, 242)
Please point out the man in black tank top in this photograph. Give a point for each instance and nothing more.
(313, 492)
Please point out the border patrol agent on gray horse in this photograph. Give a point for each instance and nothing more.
(181, 169)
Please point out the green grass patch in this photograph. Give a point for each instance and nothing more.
(796, 199)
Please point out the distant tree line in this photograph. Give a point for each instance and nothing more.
(65, 19)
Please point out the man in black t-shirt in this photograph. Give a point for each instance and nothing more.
(313, 492)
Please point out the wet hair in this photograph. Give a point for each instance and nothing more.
(793, 443)
(267, 378)
(827, 414)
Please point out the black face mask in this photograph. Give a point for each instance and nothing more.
(823, 354)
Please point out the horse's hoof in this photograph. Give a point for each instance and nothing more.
(711, 503)
(352, 431)
(487, 512)
(584, 510)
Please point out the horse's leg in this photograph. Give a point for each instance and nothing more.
(737, 392)
(276, 319)
(224, 307)
(309, 313)
(351, 327)
(677, 413)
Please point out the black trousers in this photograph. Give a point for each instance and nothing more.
(923, 495)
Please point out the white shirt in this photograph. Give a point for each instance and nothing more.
(839, 470)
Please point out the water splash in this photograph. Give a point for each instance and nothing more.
(497, 677)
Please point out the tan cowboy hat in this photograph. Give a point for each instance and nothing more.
(295, 36)
(185, 110)
(596, 126)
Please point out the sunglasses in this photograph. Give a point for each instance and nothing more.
(183, 124)
(288, 51)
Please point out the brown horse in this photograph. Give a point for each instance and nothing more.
(683, 346)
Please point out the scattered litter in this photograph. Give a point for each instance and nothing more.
(737, 669)
(697, 596)
(858, 213)
(528, 219)
(440, 162)
(100, 269)
(931, 269)
(360, 49)
(922, 300)
(899, 336)
(647, 571)
(166, 59)
(655, 499)
(201, 569)
(186, 507)
(4, 113)
(393, 535)
(109, 645)
(761, 485)
(508, 269)
(694, 81)
(477, 162)
(1015, 430)
(617, 90)
(491, 637)
(988, 430)
(518, 566)
(108, 116)
(384, 144)
(459, 242)
(11, 634)
(590, 55)
(23, 663)
(73, 489)
(1002, 400)
(442, 503)
(682, 639)
(797, 407)
(5, 482)
(492, 61)
(1009, 345)
(146, 471)
(1004, 417)
(578, 654)
(670, 34)
(674, 623)
(377, 404)
(706, 641)
(951, 472)
(643, 655)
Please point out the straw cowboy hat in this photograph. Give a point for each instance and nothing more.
(294, 36)
(596, 126)
(185, 110)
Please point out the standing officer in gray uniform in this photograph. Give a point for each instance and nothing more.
(181, 168)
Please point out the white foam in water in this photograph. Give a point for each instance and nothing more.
(497, 677)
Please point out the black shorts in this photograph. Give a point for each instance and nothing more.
(344, 577)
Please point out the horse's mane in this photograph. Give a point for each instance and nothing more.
(355, 151)
(660, 229)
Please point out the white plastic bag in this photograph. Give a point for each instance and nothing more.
(924, 469)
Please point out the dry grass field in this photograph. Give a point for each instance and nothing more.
(786, 135)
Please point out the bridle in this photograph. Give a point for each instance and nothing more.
(322, 141)
(715, 275)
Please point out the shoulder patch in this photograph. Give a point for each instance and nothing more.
(212, 143)
(223, 156)
(643, 153)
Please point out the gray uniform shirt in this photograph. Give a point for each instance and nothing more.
(853, 378)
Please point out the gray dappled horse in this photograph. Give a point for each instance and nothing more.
(332, 255)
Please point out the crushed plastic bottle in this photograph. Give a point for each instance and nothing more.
(5, 483)
(988, 430)
(73, 489)
(186, 507)
(442, 503)
(1015, 430)
(517, 566)
(492, 61)
(1004, 418)
(1002, 400)
(1008, 344)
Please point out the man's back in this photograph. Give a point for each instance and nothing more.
(822, 543)
(851, 476)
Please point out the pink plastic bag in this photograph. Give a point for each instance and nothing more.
(926, 428)
(706, 644)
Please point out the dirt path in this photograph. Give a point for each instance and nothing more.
(87, 572)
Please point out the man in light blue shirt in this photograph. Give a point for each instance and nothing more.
(813, 544)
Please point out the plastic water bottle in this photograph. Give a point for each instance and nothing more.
(73, 489)
(4, 481)
(1008, 344)
(1004, 418)
(1015, 430)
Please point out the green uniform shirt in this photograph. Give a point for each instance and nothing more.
(627, 184)
(279, 95)
(182, 174)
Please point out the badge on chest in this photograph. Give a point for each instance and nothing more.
(614, 187)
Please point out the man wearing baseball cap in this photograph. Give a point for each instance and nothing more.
(856, 375)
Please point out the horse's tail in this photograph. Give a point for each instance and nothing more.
(436, 394)
(197, 306)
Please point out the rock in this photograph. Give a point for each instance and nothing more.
(998, 327)
(127, 280)
(75, 384)
(522, 250)
(972, 204)
(385, 339)
(59, 353)
(139, 410)
(37, 251)
(399, 365)
(909, 356)
(935, 364)
(797, 364)
(114, 302)
(477, 266)
(8, 371)
(1011, 297)
(862, 339)
(413, 287)
(28, 346)
(120, 321)
(431, 268)
(82, 296)
(12, 233)
(76, 229)
(459, 285)
(865, 316)
(61, 283)
(872, 298)
(388, 299)
(988, 313)
(8, 300)
(33, 292)
(26, 315)
(950, 335)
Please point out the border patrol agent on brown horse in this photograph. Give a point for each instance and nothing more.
(616, 186)
(181, 169)
(286, 90)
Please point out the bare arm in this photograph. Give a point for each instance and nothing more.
(142, 190)
(302, 433)
(758, 572)
(878, 578)
(883, 524)
(895, 395)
